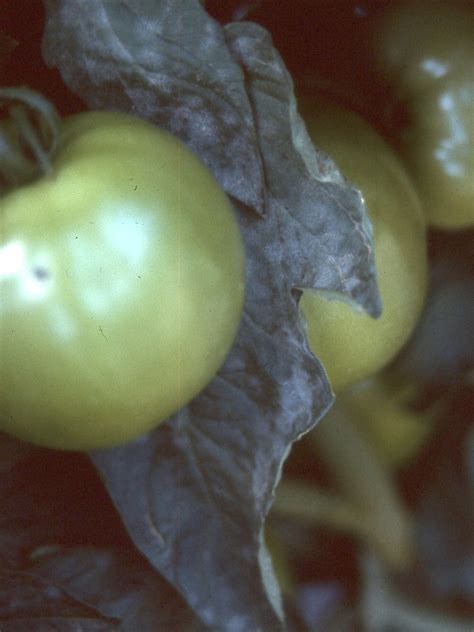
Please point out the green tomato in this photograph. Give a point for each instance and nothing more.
(382, 408)
(425, 52)
(351, 344)
(121, 285)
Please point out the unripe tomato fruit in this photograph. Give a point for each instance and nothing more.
(425, 53)
(121, 285)
(382, 408)
(351, 344)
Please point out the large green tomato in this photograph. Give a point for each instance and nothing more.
(425, 52)
(121, 285)
(351, 344)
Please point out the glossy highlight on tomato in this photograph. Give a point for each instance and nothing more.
(351, 344)
(121, 285)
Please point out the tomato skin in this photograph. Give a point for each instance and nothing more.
(351, 344)
(381, 407)
(425, 53)
(121, 286)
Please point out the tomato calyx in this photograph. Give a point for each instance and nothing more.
(29, 136)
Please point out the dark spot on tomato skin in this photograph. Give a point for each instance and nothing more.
(40, 273)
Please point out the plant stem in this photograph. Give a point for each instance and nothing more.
(307, 503)
(29, 138)
(366, 484)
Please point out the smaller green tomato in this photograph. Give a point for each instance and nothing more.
(121, 285)
(425, 52)
(351, 344)
(439, 150)
(421, 42)
(382, 408)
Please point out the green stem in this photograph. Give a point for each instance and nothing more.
(14, 169)
(28, 137)
(306, 503)
(366, 484)
(19, 117)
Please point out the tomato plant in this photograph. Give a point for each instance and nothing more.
(383, 408)
(426, 55)
(121, 285)
(351, 344)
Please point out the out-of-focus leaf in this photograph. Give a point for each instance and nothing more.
(445, 510)
(383, 607)
(52, 499)
(194, 493)
(119, 585)
(323, 607)
(441, 349)
(29, 603)
(49, 503)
